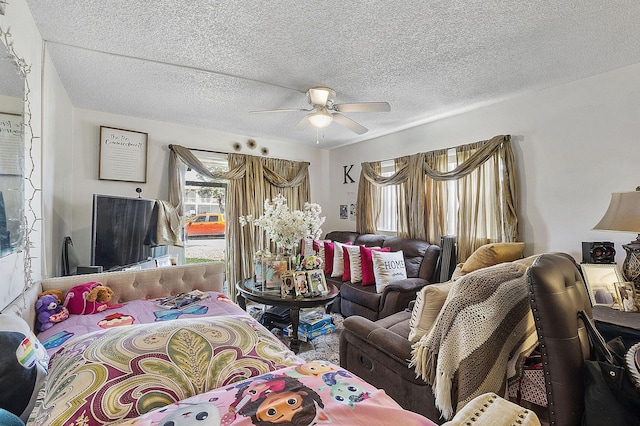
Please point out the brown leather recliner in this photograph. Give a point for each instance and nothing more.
(380, 351)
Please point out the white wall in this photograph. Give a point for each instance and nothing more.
(57, 169)
(574, 144)
(86, 152)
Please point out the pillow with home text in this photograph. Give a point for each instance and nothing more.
(387, 268)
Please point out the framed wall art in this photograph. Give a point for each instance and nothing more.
(601, 282)
(123, 155)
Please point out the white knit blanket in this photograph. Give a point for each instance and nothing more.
(480, 339)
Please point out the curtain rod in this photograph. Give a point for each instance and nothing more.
(201, 150)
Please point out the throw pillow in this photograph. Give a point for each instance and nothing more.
(327, 252)
(429, 302)
(387, 268)
(346, 270)
(366, 263)
(23, 366)
(338, 259)
(493, 254)
(355, 264)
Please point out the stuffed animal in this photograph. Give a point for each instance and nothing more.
(87, 298)
(49, 311)
(57, 293)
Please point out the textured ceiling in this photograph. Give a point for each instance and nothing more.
(207, 64)
(11, 83)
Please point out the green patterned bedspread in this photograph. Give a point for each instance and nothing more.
(118, 373)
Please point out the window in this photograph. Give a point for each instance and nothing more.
(204, 206)
(388, 219)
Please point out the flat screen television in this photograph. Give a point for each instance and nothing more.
(119, 229)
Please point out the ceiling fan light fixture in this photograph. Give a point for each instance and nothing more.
(320, 118)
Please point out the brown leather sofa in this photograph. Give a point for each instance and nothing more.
(380, 351)
(421, 261)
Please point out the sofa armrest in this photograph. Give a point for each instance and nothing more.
(407, 285)
(397, 295)
(392, 344)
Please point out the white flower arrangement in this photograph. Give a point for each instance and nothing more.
(285, 227)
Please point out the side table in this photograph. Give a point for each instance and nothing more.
(247, 289)
(612, 323)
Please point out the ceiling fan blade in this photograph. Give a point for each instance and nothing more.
(349, 123)
(363, 107)
(280, 110)
(304, 123)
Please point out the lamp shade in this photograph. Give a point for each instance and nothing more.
(320, 118)
(623, 213)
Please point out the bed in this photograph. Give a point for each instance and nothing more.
(144, 364)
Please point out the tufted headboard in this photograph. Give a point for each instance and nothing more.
(130, 285)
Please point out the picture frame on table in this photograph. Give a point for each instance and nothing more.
(317, 282)
(272, 273)
(601, 282)
(302, 284)
(288, 287)
(629, 298)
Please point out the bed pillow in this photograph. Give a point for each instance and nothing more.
(429, 302)
(368, 278)
(338, 259)
(23, 366)
(493, 254)
(387, 268)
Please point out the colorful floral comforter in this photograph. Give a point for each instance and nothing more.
(131, 313)
(117, 373)
(312, 393)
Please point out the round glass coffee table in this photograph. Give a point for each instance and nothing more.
(247, 289)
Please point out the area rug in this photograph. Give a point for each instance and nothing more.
(325, 347)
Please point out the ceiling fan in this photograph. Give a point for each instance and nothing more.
(324, 110)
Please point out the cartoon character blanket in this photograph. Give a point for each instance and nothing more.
(315, 393)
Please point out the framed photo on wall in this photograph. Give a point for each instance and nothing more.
(123, 155)
(601, 282)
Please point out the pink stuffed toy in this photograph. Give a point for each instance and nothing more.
(87, 298)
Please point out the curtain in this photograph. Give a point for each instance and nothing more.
(251, 180)
(437, 196)
(487, 209)
(487, 191)
(368, 205)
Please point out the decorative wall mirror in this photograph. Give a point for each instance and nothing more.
(12, 147)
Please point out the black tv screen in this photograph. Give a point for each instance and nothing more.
(119, 228)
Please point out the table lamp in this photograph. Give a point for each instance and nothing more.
(623, 215)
